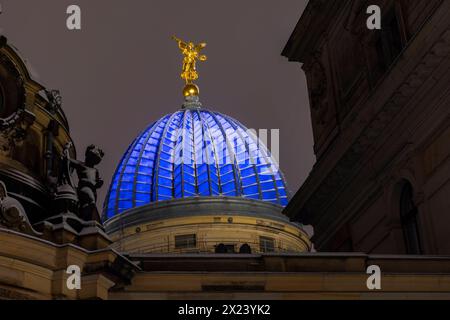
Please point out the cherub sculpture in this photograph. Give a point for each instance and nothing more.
(191, 53)
(88, 180)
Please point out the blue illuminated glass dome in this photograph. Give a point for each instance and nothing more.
(193, 153)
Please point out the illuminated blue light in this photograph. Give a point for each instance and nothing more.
(194, 152)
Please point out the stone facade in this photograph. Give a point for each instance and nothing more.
(33, 132)
(47, 223)
(206, 225)
(32, 268)
(379, 109)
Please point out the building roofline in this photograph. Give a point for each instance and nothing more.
(316, 16)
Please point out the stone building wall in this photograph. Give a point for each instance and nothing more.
(379, 109)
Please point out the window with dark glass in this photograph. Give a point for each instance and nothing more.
(185, 241)
(245, 248)
(266, 244)
(408, 215)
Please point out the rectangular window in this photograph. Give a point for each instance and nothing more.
(185, 241)
(266, 244)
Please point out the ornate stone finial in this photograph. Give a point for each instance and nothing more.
(54, 99)
(191, 53)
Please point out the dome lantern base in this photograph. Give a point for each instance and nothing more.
(192, 102)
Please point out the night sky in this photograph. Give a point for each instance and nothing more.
(121, 71)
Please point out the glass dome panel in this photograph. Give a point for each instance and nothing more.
(194, 152)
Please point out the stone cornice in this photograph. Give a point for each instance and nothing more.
(276, 262)
(314, 21)
(36, 255)
(196, 206)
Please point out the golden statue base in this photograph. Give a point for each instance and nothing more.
(191, 89)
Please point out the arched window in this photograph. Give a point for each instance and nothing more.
(408, 215)
(245, 248)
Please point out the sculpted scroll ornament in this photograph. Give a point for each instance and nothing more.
(12, 214)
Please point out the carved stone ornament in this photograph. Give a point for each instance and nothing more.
(54, 99)
(318, 90)
(13, 130)
(12, 214)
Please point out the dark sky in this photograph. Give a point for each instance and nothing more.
(121, 71)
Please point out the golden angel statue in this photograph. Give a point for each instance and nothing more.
(191, 53)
